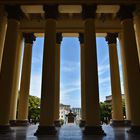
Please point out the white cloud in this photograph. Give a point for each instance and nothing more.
(103, 69)
(70, 87)
(35, 88)
(70, 66)
(37, 59)
(67, 93)
(105, 60)
(104, 80)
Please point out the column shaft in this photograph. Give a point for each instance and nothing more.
(83, 93)
(48, 75)
(133, 70)
(7, 70)
(125, 84)
(13, 107)
(3, 27)
(115, 84)
(25, 83)
(57, 84)
(91, 81)
(91, 75)
(137, 31)
(48, 91)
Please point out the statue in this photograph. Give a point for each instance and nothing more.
(71, 117)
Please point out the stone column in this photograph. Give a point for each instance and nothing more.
(93, 126)
(7, 67)
(132, 65)
(16, 79)
(22, 118)
(3, 27)
(46, 126)
(83, 93)
(57, 80)
(125, 84)
(117, 115)
(137, 28)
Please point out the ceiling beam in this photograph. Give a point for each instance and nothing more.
(71, 25)
(69, 1)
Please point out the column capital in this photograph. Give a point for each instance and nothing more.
(111, 38)
(58, 38)
(126, 12)
(81, 38)
(29, 37)
(51, 11)
(88, 11)
(14, 12)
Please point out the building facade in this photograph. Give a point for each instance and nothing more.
(109, 99)
(64, 110)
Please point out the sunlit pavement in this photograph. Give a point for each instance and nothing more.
(68, 132)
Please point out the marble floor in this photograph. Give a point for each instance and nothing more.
(68, 132)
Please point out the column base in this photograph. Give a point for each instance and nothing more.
(12, 122)
(127, 122)
(5, 129)
(45, 130)
(134, 130)
(57, 123)
(94, 130)
(82, 123)
(120, 123)
(22, 122)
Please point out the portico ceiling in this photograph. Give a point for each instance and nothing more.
(69, 1)
(70, 20)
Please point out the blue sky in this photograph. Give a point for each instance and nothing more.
(70, 70)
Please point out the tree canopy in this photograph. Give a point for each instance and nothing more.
(34, 109)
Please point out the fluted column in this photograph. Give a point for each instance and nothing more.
(91, 74)
(57, 79)
(3, 27)
(82, 53)
(13, 106)
(117, 115)
(46, 126)
(132, 65)
(22, 118)
(7, 67)
(125, 84)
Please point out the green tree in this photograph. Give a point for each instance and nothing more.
(105, 111)
(123, 106)
(34, 109)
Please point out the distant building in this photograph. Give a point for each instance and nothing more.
(109, 99)
(64, 109)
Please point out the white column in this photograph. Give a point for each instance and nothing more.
(117, 114)
(3, 27)
(7, 67)
(15, 92)
(48, 92)
(22, 118)
(125, 84)
(137, 28)
(91, 74)
(83, 93)
(132, 65)
(57, 79)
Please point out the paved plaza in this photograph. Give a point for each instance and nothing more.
(68, 132)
